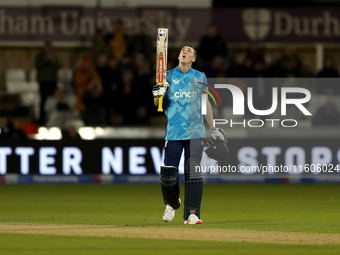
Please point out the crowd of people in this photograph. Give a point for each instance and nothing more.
(112, 85)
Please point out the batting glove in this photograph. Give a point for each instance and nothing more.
(218, 133)
(160, 89)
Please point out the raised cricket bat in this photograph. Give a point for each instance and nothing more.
(161, 60)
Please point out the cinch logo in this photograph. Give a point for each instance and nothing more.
(181, 94)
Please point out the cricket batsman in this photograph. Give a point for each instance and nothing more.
(185, 132)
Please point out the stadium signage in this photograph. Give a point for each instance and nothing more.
(65, 23)
(262, 24)
(140, 157)
(323, 24)
(72, 158)
(75, 23)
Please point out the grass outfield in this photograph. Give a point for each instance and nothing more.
(313, 208)
(36, 245)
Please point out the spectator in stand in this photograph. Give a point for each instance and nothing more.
(246, 69)
(212, 44)
(327, 115)
(141, 43)
(71, 132)
(289, 63)
(328, 86)
(103, 71)
(127, 96)
(308, 73)
(115, 91)
(99, 45)
(254, 53)
(288, 67)
(114, 78)
(12, 131)
(85, 75)
(214, 68)
(306, 69)
(329, 69)
(126, 62)
(142, 85)
(132, 113)
(141, 67)
(60, 108)
(260, 69)
(118, 41)
(47, 65)
(96, 105)
(262, 88)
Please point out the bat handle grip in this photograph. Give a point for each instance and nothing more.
(160, 104)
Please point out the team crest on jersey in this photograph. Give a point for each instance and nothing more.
(176, 82)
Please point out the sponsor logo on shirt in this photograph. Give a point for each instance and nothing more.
(181, 94)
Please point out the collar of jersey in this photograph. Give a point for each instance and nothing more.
(180, 71)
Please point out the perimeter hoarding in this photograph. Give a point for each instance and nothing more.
(310, 157)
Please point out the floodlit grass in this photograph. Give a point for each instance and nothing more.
(280, 207)
(38, 244)
(270, 207)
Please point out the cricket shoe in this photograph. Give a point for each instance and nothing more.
(169, 212)
(193, 219)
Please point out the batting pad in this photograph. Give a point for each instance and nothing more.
(169, 179)
(193, 188)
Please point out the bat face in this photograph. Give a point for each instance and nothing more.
(162, 57)
(162, 32)
(162, 48)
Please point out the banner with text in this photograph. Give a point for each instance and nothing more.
(64, 23)
(248, 158)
